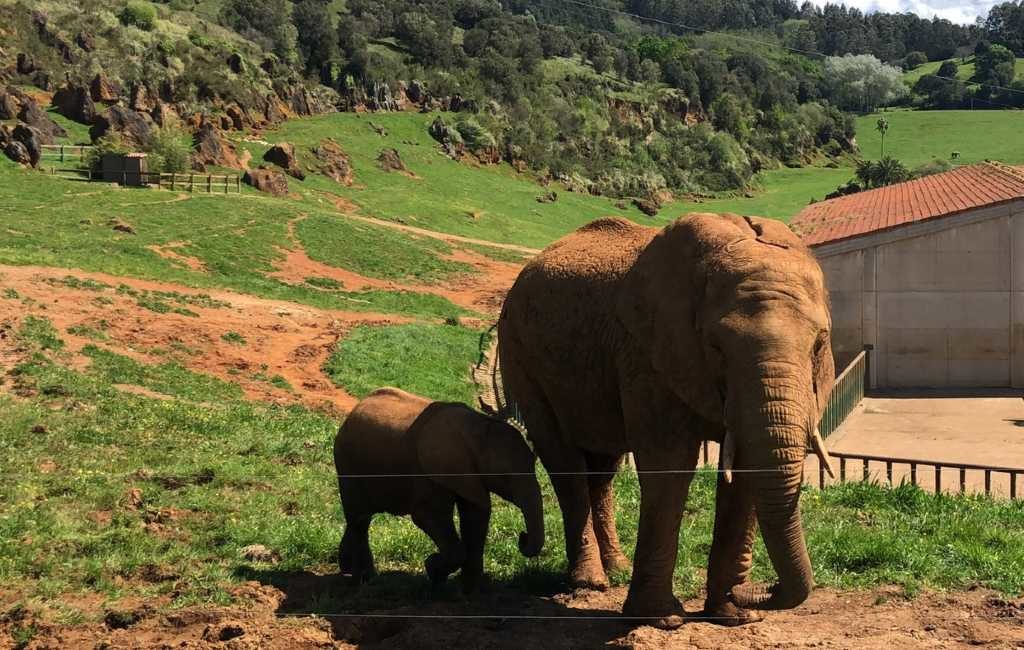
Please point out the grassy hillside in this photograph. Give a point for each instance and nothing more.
(965, 71)
(491, 203)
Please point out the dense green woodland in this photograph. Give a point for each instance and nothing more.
(578, 91)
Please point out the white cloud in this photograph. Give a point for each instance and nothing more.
(958, 11)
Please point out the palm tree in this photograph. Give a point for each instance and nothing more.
(882, 127)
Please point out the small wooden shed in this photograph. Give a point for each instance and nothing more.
(128, 169)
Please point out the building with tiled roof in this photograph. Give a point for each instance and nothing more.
(930, 274)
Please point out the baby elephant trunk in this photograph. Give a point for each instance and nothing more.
(530, 503)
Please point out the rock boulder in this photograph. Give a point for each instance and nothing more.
(136, 128)
(104, 90)
(212, 149)
(267, 180)
(390, 161)
(283, 155)
(334, 162)
(75, 103)
(31, 139)
(37, 118)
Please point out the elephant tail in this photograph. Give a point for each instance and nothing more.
(491, 395)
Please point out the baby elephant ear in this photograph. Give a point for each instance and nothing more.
(448, 451)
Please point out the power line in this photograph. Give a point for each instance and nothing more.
(755, 41)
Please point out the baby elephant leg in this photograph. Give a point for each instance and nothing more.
(435, 519)
(354, 556)
(473, 522)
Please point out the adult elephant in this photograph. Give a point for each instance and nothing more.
(625, 338)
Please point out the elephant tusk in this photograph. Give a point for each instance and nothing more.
(728, 455)
(818, 445)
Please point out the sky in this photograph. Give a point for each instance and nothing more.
(958, 11)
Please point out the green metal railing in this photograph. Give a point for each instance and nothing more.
(847, 393)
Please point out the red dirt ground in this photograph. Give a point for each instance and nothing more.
(270, 618)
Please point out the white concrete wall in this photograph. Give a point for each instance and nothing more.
(943, 307)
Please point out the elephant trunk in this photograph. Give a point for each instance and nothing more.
(532, 541)
(778, 516)
(774, 439)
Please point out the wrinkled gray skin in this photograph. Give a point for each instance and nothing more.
(622, 338)
(392, 432)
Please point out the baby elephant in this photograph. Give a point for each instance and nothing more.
(391, 439)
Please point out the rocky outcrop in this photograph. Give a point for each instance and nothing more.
(267, 180)
(649, 207)
(141, 99)
(283, 155)
(75, 103)
(235, 63)
(390, 161)
(37, 118)
(134, 127)
(212, 149)
(238, 117)
(449, 138)
(17, 152)
(104, 90)
(164, 114)
(334, 162)
(10, 105)
(85, 41)
(25, 64)
(31, 140)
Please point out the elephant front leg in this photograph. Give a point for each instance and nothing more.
(435, 519)
(662, 498)
(473, 523)
(731, 551)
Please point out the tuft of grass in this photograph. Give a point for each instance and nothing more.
(329, 284)
(10, 293)
(167, 378)
(39, 333)
(429, 360)
(90, 332)
(233, 337)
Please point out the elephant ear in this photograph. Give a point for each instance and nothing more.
(773, 232)
(448, 448)
(663, 298)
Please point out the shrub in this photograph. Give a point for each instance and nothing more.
(915, 60)
(169, 149)
(111, 143)
(139, 14)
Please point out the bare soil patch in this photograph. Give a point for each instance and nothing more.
(280, 338)
(269, 617)
(168, 252)
(482, 291)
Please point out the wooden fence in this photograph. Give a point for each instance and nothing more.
(64, 152)
(212, 183)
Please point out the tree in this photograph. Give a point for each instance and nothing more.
(915, 59)
(887, 171)
(316, 41)
(862, 82)
(268, 22)
(948, 69)
(994, 65)
(882, 126)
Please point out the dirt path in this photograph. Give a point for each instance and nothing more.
(879, 619)
(482, 291)
(280, 338)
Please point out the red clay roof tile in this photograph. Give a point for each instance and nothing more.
(939, 195)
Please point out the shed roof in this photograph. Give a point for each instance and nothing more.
(959, 190)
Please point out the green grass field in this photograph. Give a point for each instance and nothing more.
(965, 70)
(141, 497)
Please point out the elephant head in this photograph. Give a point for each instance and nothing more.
(733, 313)
(473, 455)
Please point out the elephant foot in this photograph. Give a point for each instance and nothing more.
(589, 575)
(728, 614)
(438, 569)
(616, 562)
(473, 583)
(662, 613)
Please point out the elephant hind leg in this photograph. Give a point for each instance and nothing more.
(435, 518)
(602, 505)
